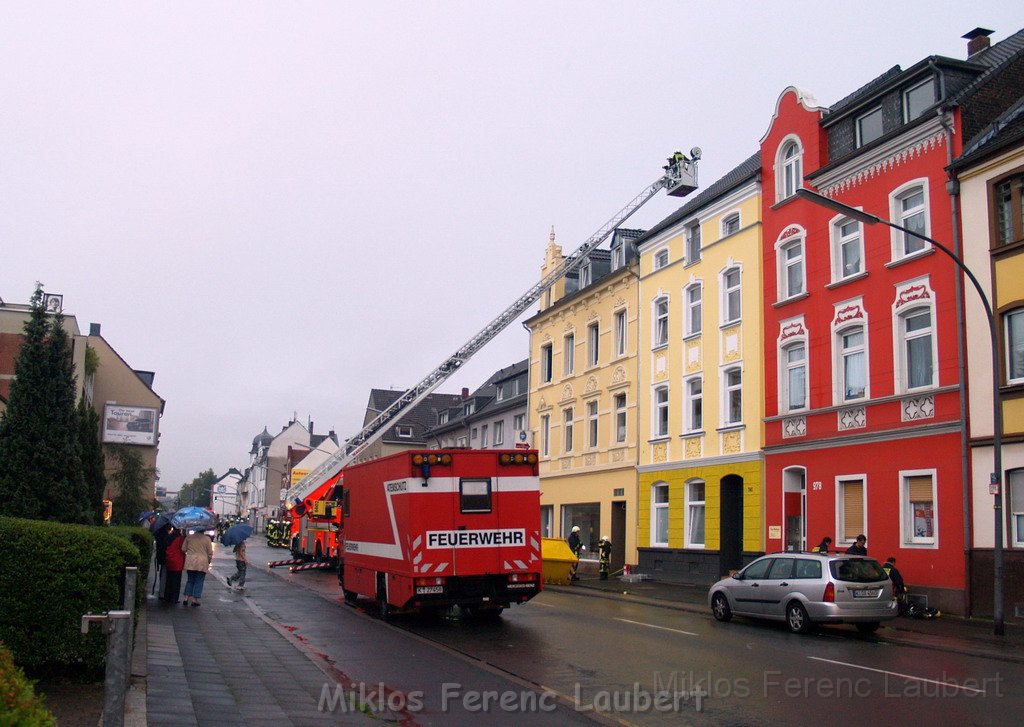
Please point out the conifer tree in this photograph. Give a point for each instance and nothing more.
(40, 456)
(93, 461)
(131, 478)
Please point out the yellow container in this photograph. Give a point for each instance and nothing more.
(558, 561)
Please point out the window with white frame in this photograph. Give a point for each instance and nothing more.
(731, 224)
(660, 337)
(499, 433)
(847, 249)
(659, 514)
(499, 392)
(853, 362)
(790, 164)
(442, 417)
(1015, 489)
(731, 300)
(618, 256)
(850, 499)
(794, 376)
(586, 275)
(483, 437)
(593, 343)
(592, 424)
(693, 243)
(732, 396)
(1014, 337)
(545, 435)
(917, 349)
(403, 431)
(469, 408)
(620, 333)
(567, 426)
(791, 268)
(693, 408)
(472, 433)
(695, 514)
(909, 209)
(917, 99)
(660, 259)
(919, 511)
(519, 422)
(693, 297)
(869, 126)
(620, 418)
(569, 353)
(546, 360)
(461, 442)
(1008, 201)
(661, 411)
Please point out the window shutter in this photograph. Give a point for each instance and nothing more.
(920, 488)
(853, 509)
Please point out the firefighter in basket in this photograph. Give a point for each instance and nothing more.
(604, 549)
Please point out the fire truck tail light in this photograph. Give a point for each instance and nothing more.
(437, 581)
(522, 577)
(424, 586)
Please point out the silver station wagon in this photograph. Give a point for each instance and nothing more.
(804, 589)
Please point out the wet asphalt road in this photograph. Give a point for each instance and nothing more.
(562, 656)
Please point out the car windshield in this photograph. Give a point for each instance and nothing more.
(857, 570)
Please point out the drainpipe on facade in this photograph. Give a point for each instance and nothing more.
(953, 189)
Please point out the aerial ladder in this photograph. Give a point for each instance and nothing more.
(679, 179)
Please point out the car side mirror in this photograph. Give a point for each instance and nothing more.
(739, 576)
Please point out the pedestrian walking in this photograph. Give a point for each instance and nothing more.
(162, 539)
(198, 555)
(238, 578)
(824, 545)
(604, 549)
(174, 558)
(859, 546)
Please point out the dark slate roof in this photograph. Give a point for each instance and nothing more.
(420, 417)
(866, 90)
(510, 372)
(485, 397)
(263, 439)
(747, 170)
(1004, 132)
(994, 59)
(315, 440)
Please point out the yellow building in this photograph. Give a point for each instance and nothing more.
(583, 397)
(700, 384)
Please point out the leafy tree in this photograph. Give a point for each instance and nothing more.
(131, 478)
(196, 492)
(93, 461)
(40, 454)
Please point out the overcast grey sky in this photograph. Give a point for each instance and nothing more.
(278, 206)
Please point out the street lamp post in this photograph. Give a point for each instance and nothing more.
(995, 484)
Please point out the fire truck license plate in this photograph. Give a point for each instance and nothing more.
(429, 589)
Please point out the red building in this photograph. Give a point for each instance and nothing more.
(865, 429)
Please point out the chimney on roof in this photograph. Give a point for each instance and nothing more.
(465, 392)
(94, 329)
(977, 41)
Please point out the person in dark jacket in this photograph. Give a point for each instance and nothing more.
(859, 546)
(174, 558)
(576, 546)
(899, 587)
(161, 540)
(604, 549)
(824, 546)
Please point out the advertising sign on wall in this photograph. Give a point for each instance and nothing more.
(129, 424)
(297, 475)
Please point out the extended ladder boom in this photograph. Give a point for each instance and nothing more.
(683, 174)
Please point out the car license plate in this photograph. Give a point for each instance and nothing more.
(429, 589)
(865, 593)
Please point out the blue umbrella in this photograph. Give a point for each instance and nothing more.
(193, 518)
(146, 515)
(236, 534)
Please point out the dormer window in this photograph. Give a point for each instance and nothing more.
(469, 408)
(499, 393)
(618, 257)
(918, 99)
(586, 275)
(869, 126)
(442, 417)
(404, 431)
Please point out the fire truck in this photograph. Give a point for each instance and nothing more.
(383, 522)
(427, 530)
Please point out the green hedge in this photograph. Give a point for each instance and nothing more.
(142, 539)
(50, 575)
(19, 704)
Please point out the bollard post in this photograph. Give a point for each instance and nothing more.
(131, 577)
(117, 627)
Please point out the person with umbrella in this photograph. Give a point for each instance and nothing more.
(198, 550)
(236, 535)
(174, 564)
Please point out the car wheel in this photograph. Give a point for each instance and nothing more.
(797, 619)
(720, 607)
(868, 628)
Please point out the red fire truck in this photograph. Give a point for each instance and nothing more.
(426, 530)
(315, 524)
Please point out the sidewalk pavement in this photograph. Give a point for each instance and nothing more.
(946, 633)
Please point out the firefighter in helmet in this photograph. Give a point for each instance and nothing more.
(604, 548)
(576, 546)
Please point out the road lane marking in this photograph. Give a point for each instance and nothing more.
(902, 676)
(652, 626)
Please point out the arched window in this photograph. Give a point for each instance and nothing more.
(790, 165)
